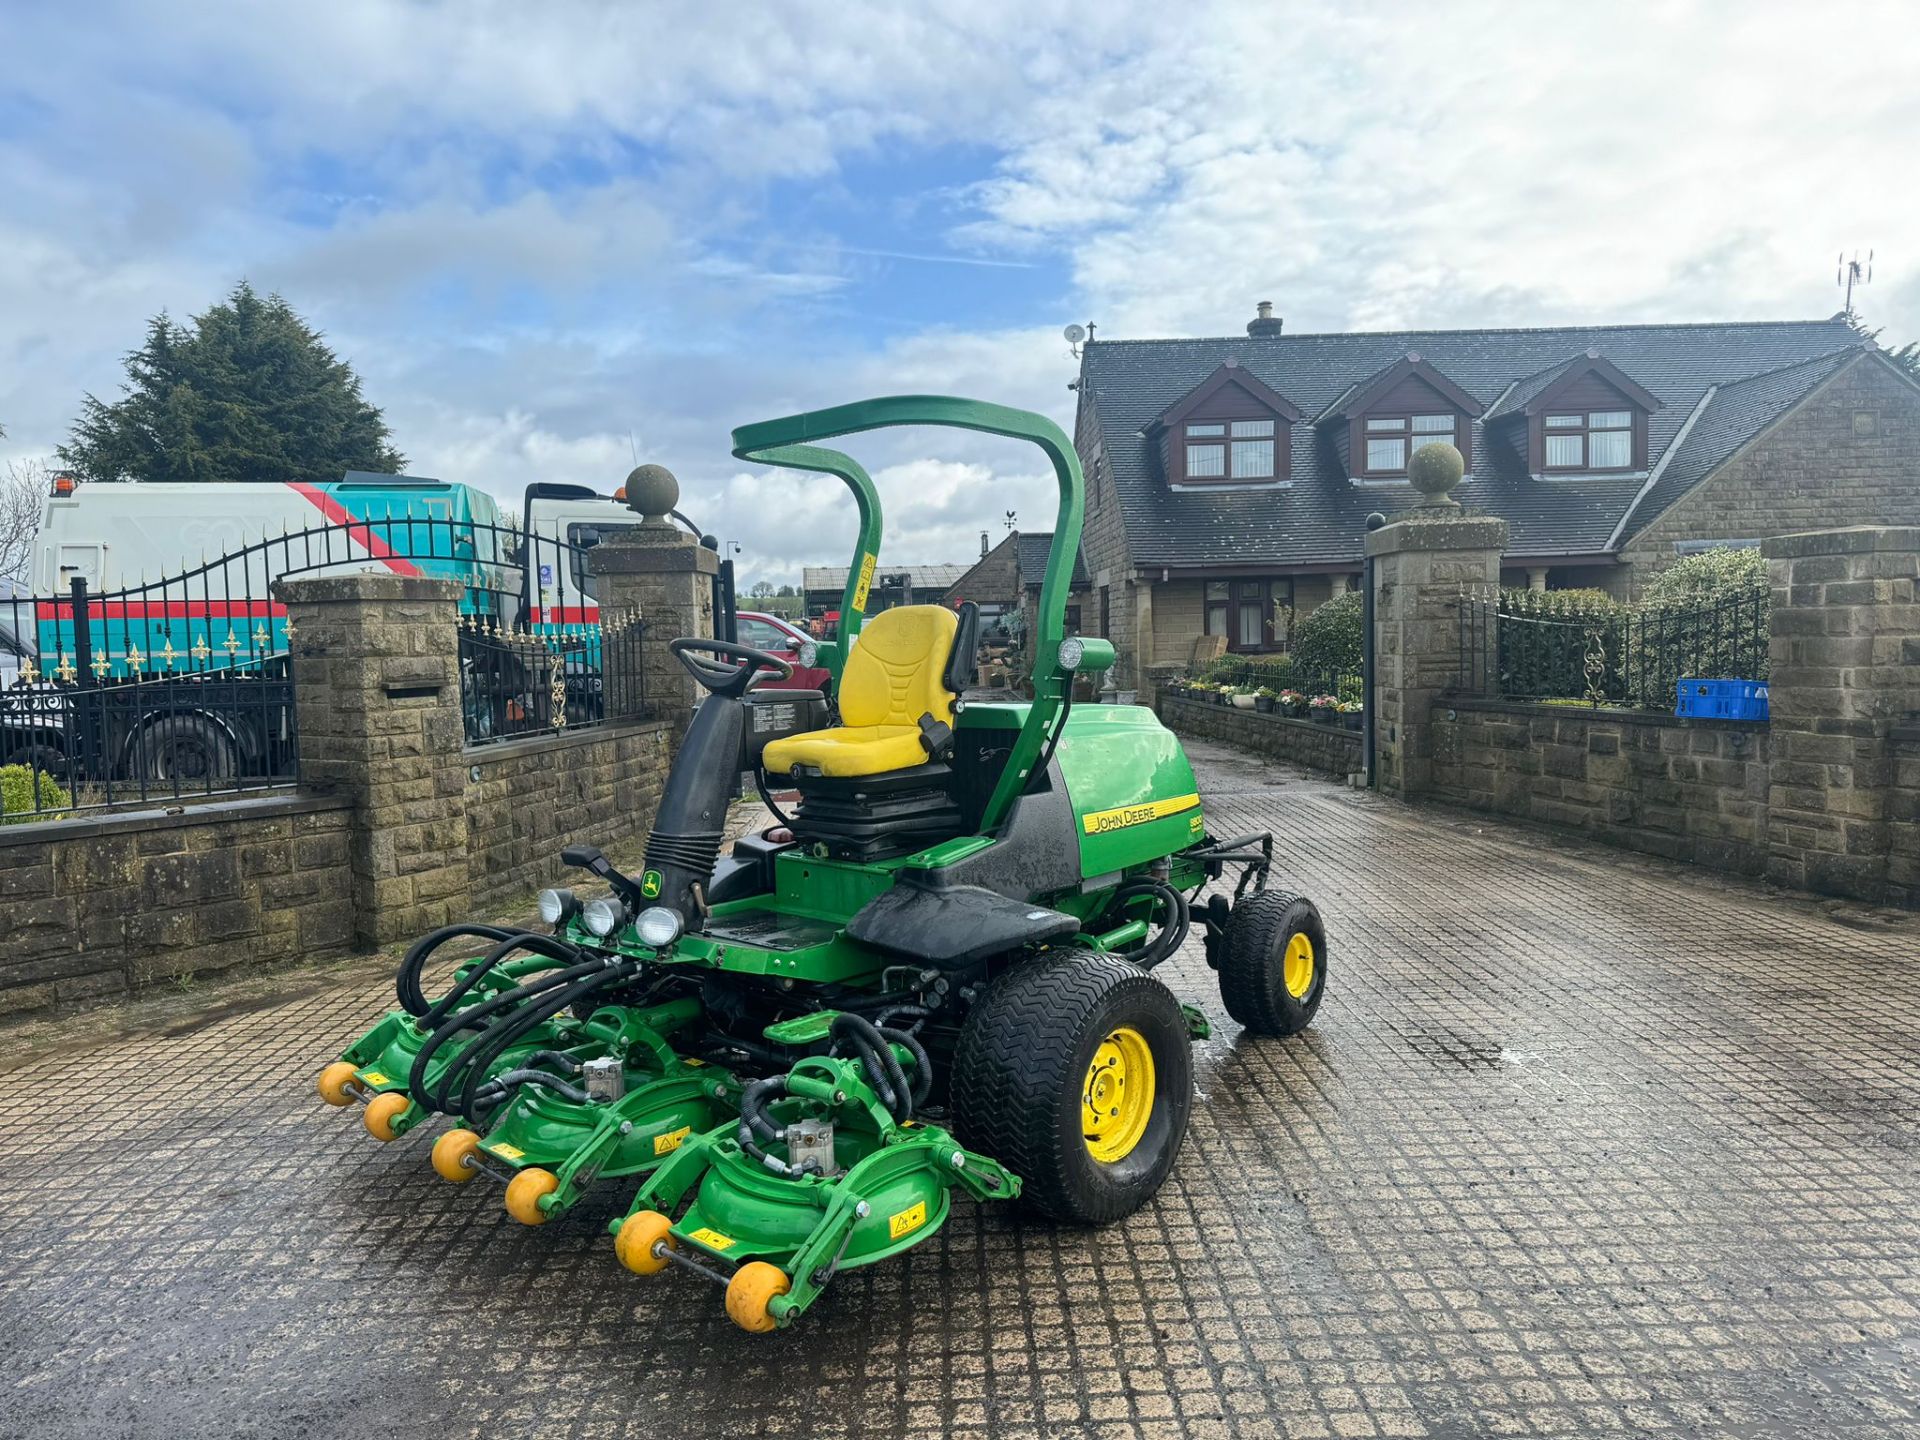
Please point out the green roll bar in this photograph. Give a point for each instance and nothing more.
(788, 441)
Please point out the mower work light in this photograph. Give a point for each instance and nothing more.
(808, 654)
(1070, 652)
(657, 926)
(1086, 652)
(558, 906)
(604, 916)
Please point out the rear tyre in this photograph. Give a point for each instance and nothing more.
(1273, 969)
(186, 749)
(1075, 1071)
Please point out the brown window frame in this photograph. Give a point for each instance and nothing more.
(1585, 430)
(1276, 472)
(1266, 591)
(1405, 434)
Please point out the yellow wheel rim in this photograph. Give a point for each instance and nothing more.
(1117, 1099)
(1297, 968)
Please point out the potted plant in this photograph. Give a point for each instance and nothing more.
(1263, 699)
(1322, 709)
(1353, 714)
(1243, 697)
(1291, 702)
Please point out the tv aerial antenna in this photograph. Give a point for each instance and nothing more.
(1853, 272)
(1075, 335)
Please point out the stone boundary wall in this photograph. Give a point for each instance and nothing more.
(526, 799)
(103, 905)
(1329, 749)
(1903, 813)
(1686, 789)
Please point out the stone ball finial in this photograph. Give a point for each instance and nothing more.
(652, 490)
(1434, 470)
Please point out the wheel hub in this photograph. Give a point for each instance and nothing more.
(1117, 1097)
(1297, 967)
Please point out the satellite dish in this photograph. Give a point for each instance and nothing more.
(1074, 334)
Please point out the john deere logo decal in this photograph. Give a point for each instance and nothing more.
(1100, 822)
(650, 884)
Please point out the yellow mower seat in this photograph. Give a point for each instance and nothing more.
(895, 675)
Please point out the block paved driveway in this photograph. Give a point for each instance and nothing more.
(1582, 1145)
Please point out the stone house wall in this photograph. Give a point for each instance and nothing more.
(1903, 811)
(100, 906)
(1849, 454)
(1687, 789)
(1329, 749)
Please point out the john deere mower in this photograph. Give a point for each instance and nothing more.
(935, 973)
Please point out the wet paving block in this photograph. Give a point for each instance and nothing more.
(1582, 1145)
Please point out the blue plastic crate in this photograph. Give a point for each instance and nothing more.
(1722, 699)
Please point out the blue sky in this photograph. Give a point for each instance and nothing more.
(538, 231)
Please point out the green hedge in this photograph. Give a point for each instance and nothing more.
(1328, 641)
(16, 795)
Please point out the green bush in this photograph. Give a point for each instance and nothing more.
(16, 795)
(1328, 641)
(1707, 579)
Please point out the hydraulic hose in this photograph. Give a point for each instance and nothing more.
(1177, 922)
(406, 981)
(474, 1018)
(755, 1124)
(475, 1059)
(547, 945)
(496, 1090)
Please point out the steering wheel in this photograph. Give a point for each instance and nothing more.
(729, 681)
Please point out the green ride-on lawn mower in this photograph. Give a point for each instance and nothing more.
(936, 973)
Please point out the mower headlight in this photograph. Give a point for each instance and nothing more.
(1070, 652)
(808, 654)
(558, 906)
(657, 927)
(604, 916)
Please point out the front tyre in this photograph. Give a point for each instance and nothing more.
(1075, 1071)
(1274, 969)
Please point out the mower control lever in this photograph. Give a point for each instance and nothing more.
(589, 858)
(728, 681)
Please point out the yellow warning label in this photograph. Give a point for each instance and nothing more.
(666, 1144)
(691, 1063)
(1101, 822)
(867, 562)
(712, 1239)
(374, 1077)
(505, 1151)
(907, 1221)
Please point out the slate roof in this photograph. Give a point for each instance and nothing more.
(1032, 560)
(1321, 516)
(922, 577)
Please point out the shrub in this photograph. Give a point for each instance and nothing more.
(1707, 579)
(1328, 641)
(17, 795)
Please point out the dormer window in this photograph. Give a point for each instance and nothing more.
(1230, 430)
(1391, 439)
(1591, 440)
(1230, 450)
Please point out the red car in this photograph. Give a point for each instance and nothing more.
(782, 638)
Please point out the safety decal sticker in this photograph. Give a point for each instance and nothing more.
(907, 1221)
(650, 884)
(1102, 822)
(666, 1144)
(374, 1077)
(505, 1151)
(712, 1239)
(867, 562)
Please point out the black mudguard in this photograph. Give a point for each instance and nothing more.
(952, 926)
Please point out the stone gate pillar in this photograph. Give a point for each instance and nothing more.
(659, 573)
(1844, 657)
(376, 687)
(1425, 566)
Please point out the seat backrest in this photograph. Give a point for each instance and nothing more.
(897, 670)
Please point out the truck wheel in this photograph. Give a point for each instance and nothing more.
(184, 747)
(1274, 967)
(1075, 1072)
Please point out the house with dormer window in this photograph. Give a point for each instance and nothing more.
(1229, 479)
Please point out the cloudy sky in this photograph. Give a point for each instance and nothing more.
(540, 230)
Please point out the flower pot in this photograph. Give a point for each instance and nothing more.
(1322, 717)
(1355, 721)
(1243, 702)
(1263, 703)
(1125, 697)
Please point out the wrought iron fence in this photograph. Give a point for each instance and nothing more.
(1620, 658)
(180, 687)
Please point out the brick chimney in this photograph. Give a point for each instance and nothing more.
(1265, 323)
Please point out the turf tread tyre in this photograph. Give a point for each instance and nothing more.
(1251, 980)
(1021, 1062)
